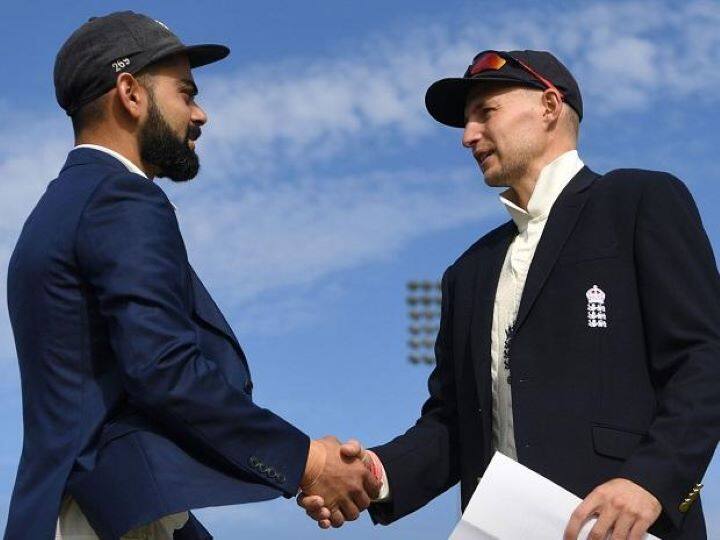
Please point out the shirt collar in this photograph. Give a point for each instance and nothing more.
(122, 159)
(552, 180)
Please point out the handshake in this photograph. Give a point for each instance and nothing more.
(340, 481)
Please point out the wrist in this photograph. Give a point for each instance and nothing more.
(317, 456)
(374, 464)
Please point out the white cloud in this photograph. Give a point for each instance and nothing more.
(266, 208)
(293, 233)
(626, 56)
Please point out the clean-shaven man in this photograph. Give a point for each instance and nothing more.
(137, 398)
(581, 338)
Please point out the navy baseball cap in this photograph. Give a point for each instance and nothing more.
(89, 62)
(445, 99)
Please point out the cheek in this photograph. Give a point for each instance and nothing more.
(517, 133)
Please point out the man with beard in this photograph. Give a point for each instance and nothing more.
(137, 398)
(580, 338)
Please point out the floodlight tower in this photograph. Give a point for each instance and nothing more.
(423, 300)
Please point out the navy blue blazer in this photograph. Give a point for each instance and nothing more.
(137, 398)
(637, 399)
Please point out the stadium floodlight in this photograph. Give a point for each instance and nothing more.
(423, 301)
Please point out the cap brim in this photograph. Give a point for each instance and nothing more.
(445, 99)
(197, 55)
(201, 55)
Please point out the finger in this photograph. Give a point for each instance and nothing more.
(310, 502)
(314, 506)
(324, 524)
(361, 500)
(623, 524)
(319, 514)
(351, 448)
(639, 529)
(337, 519)
(579, 516)
(349, 509)
(604, 524)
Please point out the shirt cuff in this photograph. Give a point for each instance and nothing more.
(381, 475)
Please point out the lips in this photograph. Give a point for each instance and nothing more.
(481, 156)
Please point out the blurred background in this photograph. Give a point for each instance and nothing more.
(325, 186)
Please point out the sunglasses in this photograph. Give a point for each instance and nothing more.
(494, 60)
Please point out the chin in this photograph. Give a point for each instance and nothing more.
(493, 180)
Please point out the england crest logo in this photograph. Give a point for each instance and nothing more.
(596, 315)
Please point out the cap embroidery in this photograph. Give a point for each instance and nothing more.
(120, 64)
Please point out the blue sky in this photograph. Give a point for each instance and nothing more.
(325, 185)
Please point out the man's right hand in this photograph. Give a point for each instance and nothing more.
(344, 483)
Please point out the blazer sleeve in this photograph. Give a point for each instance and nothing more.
(424, 461)
(679, 292)
(130, 251)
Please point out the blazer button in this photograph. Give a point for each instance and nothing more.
(685, 506)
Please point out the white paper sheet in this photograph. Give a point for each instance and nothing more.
(513, 502)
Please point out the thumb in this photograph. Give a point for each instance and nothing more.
(352, 449)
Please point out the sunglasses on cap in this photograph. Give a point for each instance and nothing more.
(494, 60)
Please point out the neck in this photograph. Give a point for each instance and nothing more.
(123, 145)
(521, 189)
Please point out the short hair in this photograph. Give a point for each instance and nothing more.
(572, 120)
(94, 112)
(88, 114)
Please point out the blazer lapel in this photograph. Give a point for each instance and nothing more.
(560, 223)
(490, 261)
(206, 309)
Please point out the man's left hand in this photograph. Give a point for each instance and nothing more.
(624, 511)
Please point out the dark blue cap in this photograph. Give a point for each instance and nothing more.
(89, 62)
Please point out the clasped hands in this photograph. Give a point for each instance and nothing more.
(338, 483)
(341, 480)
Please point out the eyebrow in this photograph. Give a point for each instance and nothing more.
(188, 84)
(482, 102)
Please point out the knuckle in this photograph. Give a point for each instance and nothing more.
(647, 516)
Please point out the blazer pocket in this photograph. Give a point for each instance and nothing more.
(125, 424)
(115, 431)
(615, 442)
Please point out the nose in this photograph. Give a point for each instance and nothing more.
(198, 116)
(471, 134)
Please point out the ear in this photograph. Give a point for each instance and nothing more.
(552, 105)
(132, 95)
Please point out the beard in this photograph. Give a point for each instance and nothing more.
(161, 147)
(515, 165)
